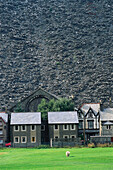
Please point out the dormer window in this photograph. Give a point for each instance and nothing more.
(91, 124)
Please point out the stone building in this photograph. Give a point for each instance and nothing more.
(88, 116)
(106, 117)
(3, 128)
(63, 126)
(26, 129)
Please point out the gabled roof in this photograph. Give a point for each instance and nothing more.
(94, 106)
(25, 118)
(4, 116)
(38, 92)
(62, 117)
(106, 114)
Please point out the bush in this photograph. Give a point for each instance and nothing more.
(91, 145)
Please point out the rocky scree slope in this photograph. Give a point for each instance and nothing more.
(65, 46)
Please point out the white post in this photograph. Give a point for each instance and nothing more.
(51, 142)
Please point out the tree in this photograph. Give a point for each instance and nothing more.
(62, 104)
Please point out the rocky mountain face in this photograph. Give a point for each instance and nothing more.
(66, 46)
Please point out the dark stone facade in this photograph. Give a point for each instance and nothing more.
(28, 134)
(4, 128)
(61, 132)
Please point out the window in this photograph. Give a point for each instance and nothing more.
(0, 123)
(73, 137)
(56, 137)
(1, 132)
(80, 124)
(65, 136)
(65, 127)
(56, 127)
(72, 127)
(90, 124)
(108, 127)
(23, 139)
(1, 141)
(33, 127)
(23, 128)
(33, 139)
(16, 139)
(16, 128)
(43, 128)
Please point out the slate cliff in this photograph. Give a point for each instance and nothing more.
(64, 45)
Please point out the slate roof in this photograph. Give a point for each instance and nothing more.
(4, 116)
(26, 118)
(95, 107)
(108, 123)
(62, 117)
(106, 114)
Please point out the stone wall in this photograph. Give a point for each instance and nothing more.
(64, 46)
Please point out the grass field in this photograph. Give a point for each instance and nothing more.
(52, 159)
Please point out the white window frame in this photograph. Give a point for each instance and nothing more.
(56, 136)
(22, 127)
(15, 129)
(34, 128)
(66, 136)
(31, 139)
(108, 127)
(1, 140)
(18, 139)
(64, 127)
(58, 127)
(74, 136)
(2, 132)
(25, 139)
(71, 127)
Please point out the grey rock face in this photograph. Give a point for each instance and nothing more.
(67, 46)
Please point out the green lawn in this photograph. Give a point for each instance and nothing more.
(80, 158)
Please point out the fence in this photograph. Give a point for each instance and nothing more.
(101, 139)
(65, 142)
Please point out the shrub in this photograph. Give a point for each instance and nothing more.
(91, 145)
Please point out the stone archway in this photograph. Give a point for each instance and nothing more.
(32, 104)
